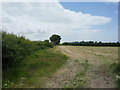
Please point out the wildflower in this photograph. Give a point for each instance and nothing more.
(5, 84)
(74, 83)
(117, 77)
(81, 78)
(66, 85)
(20, 83)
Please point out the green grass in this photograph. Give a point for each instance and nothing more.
(34, 68)
(116, 70)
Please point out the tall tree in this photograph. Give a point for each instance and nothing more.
(55, 39)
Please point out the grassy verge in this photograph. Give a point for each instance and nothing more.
(116, 70)
(34, 68)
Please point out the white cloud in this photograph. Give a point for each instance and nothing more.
(108, 0)
(60, 0)
(37, 21)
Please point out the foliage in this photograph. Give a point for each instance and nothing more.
(55, 38)
(91, 43)
(15, 48)
(39, 64)
(25, 61)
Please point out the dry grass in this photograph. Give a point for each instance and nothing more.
(99, 59)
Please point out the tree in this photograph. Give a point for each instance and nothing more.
(47, 41)
(55, 39)
(100, 42)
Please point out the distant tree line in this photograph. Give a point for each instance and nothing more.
(92, 43)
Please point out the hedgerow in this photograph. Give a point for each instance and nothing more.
(16, 48)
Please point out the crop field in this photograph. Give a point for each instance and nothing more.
(86, 67)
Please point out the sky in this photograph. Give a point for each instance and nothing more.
(73, 21)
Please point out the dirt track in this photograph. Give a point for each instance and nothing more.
(98, 73)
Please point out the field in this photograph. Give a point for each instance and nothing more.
(86, 67)
(69, 67)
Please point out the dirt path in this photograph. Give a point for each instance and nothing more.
(65, 73)
(97, 75)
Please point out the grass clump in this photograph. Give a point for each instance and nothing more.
(116, 70)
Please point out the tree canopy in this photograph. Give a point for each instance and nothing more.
(55, 39)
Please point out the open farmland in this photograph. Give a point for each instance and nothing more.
(86, 67)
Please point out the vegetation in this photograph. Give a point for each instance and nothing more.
(24, 58)
(55, 39)
(116, 70)
(27, 63)
(16, 48)
(96, 69)
(91, 43)
(80, 79)
(34, 68)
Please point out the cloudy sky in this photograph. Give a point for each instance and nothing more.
(73, 21)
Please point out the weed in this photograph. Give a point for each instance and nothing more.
(79, 80)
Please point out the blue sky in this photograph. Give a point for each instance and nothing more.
(107, 9)
(74, 21)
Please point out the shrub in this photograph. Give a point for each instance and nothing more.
(16, 48)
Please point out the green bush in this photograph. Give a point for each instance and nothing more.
(16, 48)
(14, 51)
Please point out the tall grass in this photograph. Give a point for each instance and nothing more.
(34, 67)
(14, 51)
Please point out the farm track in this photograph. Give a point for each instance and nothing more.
(98, 73)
